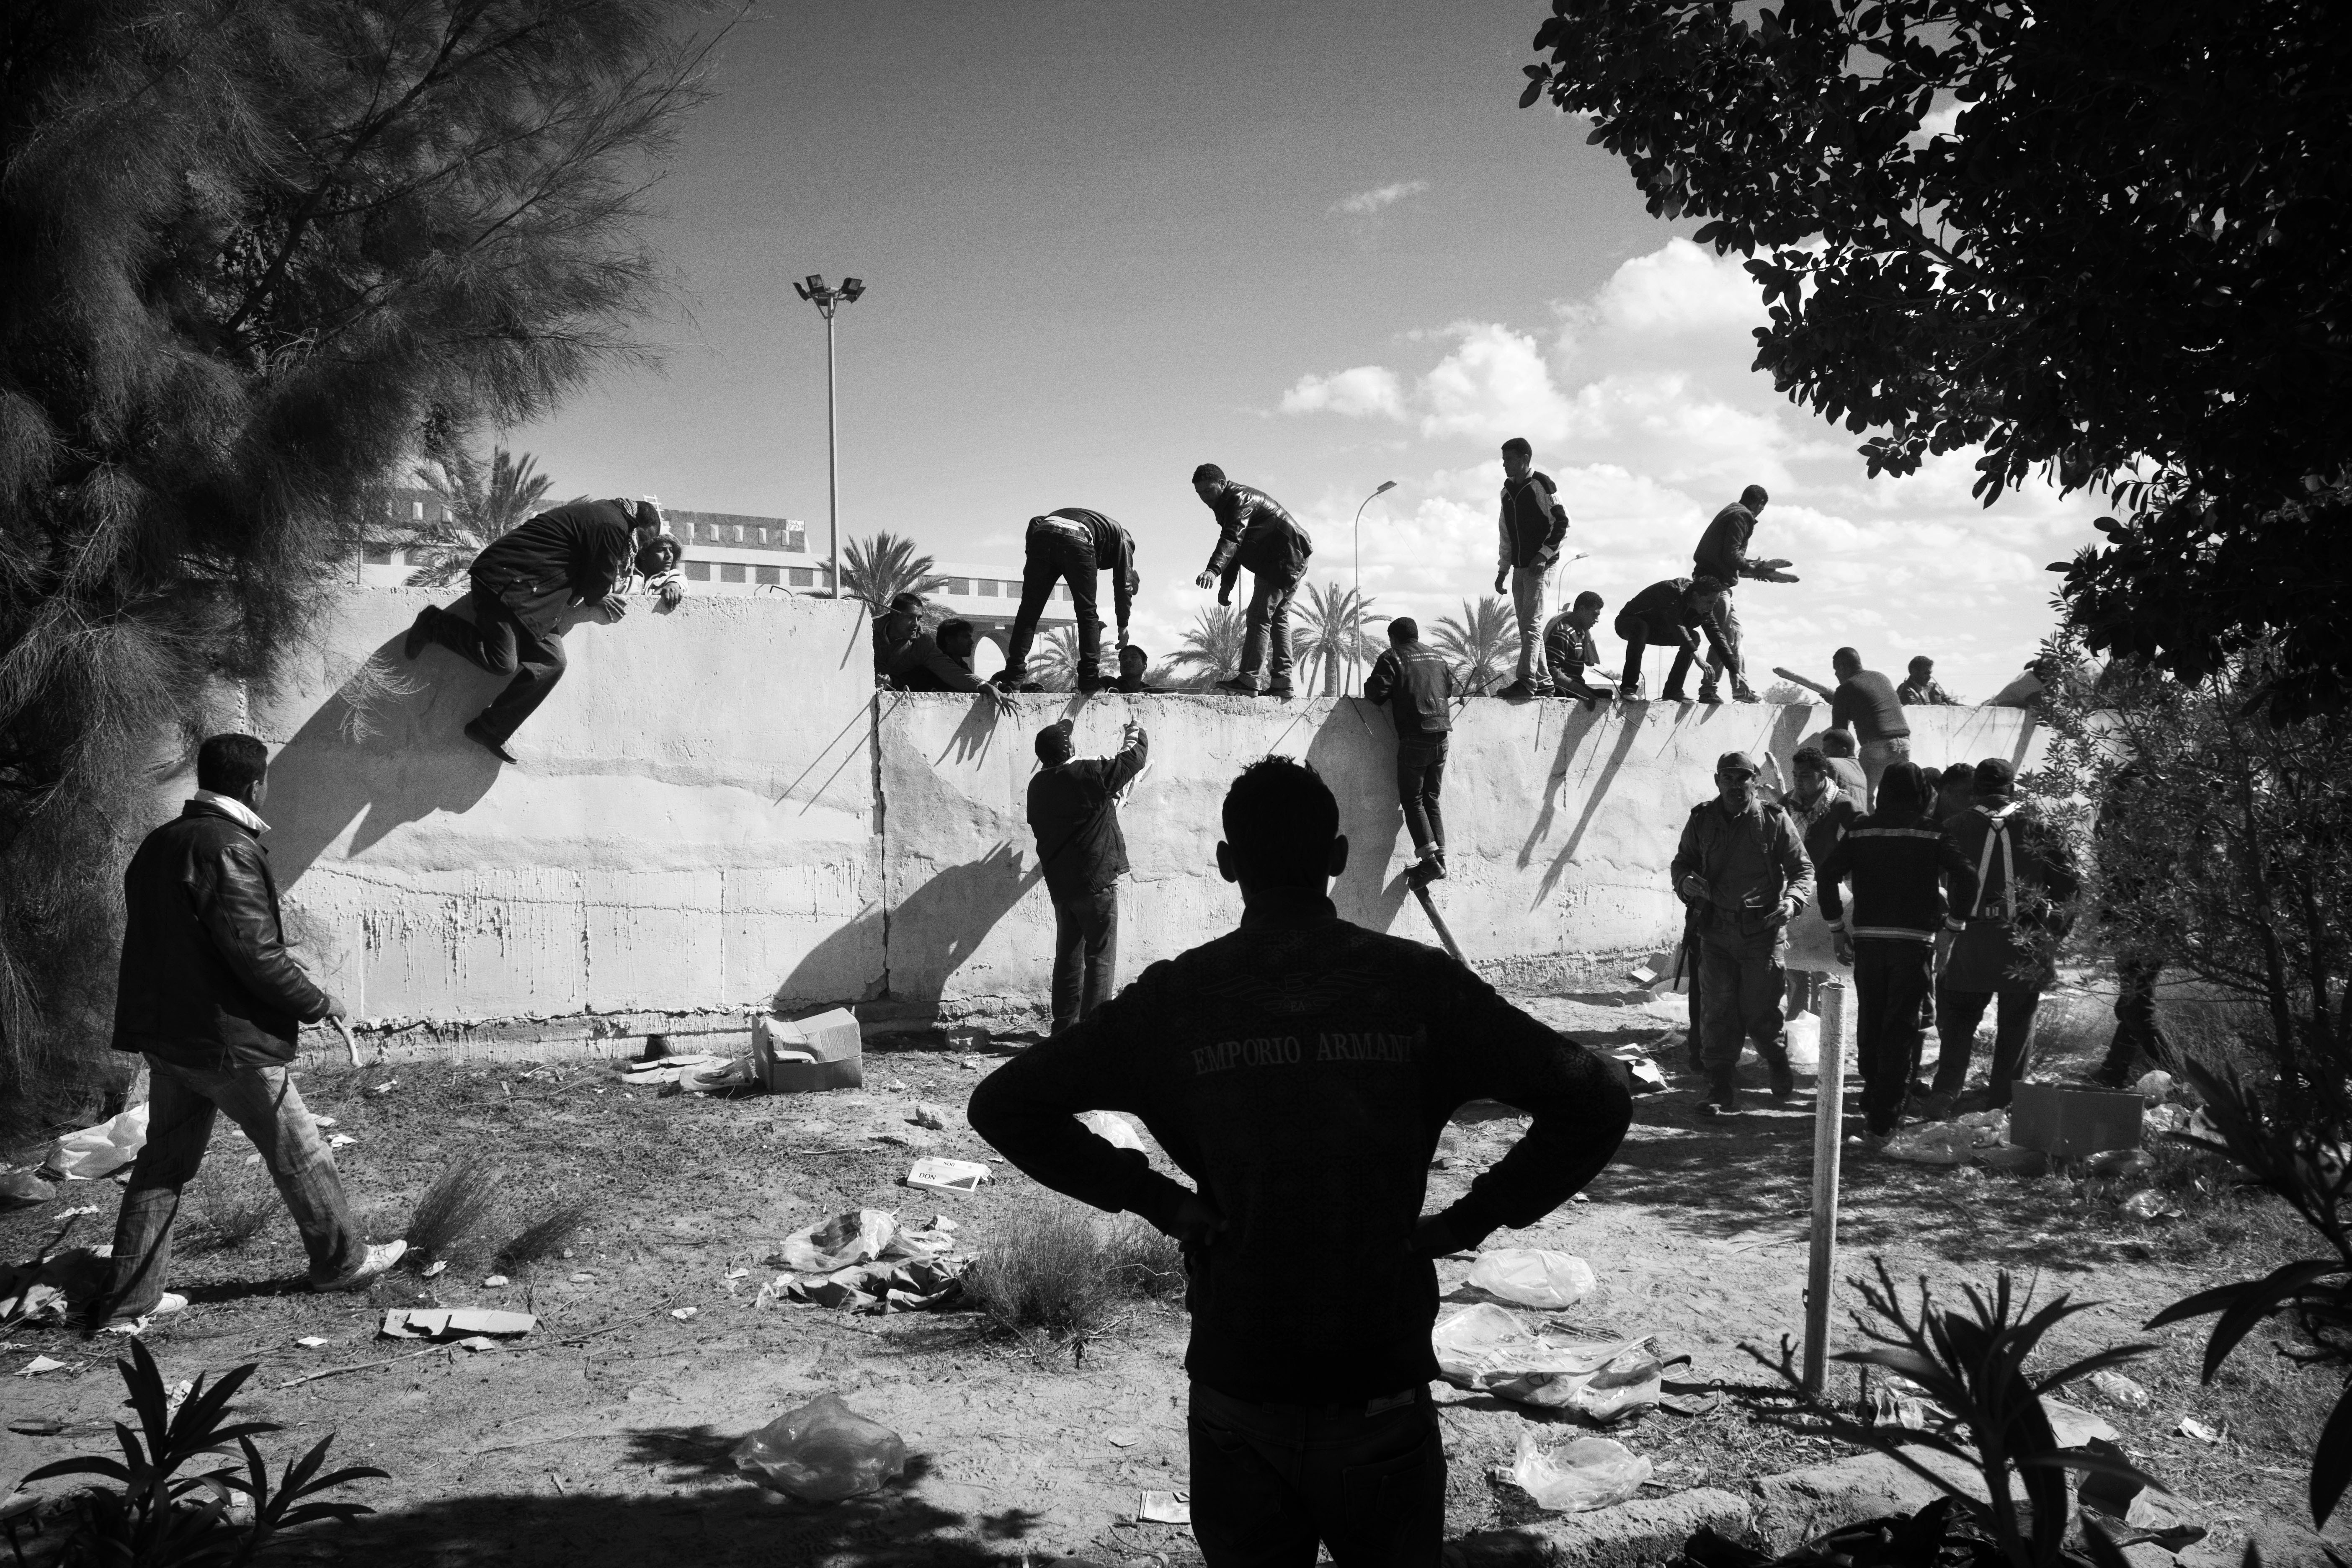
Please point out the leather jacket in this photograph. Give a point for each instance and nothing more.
(206, 981)
(1254, 531)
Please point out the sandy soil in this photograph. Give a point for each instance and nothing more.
(603, 1438)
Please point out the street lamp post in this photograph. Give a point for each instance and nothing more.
(827, 299)
(1356, 610)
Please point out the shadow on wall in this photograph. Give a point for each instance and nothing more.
(1355, 751)
(932, 932)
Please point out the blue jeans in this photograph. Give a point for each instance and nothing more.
(180, 1110)
(1052, 556)
(1266, 631)
(1270, 1481)
(1420, 776)
(1086, 954)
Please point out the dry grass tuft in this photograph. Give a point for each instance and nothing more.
(545, 1236)
(230, 1214)
(1059, 1273)
(452, 1210)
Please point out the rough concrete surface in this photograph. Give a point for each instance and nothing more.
(1629, 1535)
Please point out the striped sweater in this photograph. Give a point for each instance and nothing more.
(1901, 865)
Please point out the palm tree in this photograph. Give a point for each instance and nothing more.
(1330, 631)
(1212, 649)
(1480, 644)
(1053, 661)
(479, 504)
(879, 569)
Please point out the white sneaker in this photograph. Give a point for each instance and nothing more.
(169, 1302)
(381, 1256)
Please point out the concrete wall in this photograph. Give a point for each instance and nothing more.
(714, 811)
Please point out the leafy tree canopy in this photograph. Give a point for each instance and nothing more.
(2125, 262)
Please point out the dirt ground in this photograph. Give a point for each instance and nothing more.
(603, 1438)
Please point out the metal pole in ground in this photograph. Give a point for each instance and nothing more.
(1829, 1126)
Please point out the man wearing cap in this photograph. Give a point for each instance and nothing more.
(1253, 531)
(1722, 554)
(1069, 545)
(524, 584)
(1741, 868)
(1074, 812)
(2000, 945)
(1531, 527)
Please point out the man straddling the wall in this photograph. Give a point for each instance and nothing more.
(1532, 526)
(1904, 867)
(1741, 863)
(2006, 946)
(1722, 554)
(1674, 613)
(941, 661)
(1865, 702)
(1922, 690)
(893, 632)
(1299, 1070)
(1069, 545)
(1569, 652)
(210, 998)
(1417, 684)
(524, 585)
(1253, 531)
(1074, 812)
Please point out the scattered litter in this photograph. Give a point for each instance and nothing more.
(494, 1281)
(478, 1343)
(1896, 1401)
(1533, 1278)
(71, 1213)
(103, 1150)
(737, 1072)
(2159, 1120)
(25, 1188)
(453, 1322)
(310, 1341)
(947, 1175)
(685, 1314)
(1123, 1438)
(895, 1084)
(37, 1426)
(864, 1261)
(1579, 1197)
(2153, 1086)
(320, 1121)
(942, 1222)
(253, 1158)
(838, 1242)
(386, 1087)
(2074, 1426)
(2119, 1162)
(1641, 1074)
(1113, 1128)
(1932, 1143)
(43, 1289)
(341, 1141)
(584, 1277)
(1986, 1129)
(1577, 1475)
(2118, 1389)
(39, 1365)
(438, 1266)
(807, 1055)
(822, 1452)
(738, 1273)
(923, 1114)
(2152, 1203)
(1487, 1347)
(2193, 1427)
(1165, 1508)
(1642, 974)
(668, 1070)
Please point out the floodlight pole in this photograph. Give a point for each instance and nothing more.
(1356, 610)
(827, 299)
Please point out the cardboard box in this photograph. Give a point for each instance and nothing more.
(2073, 1119)
(805, 1056)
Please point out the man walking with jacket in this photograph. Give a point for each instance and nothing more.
(523, 585)
(1069, 545)
(1742, 868)
(1253, 531)
(1532, 525)
(1904, 867)
(1074, 812)
(1298, 1071)
(210, 998)
(1417, 684)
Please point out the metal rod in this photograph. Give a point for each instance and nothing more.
(831, 453)
(1829, 1126)
(1429, 908)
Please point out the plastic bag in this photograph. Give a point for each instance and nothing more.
(1579, 1475)
(2153, 1086)
(1600, 1383)
(1112, 1128)
(1479, 1339)
(822, 1452)
(2159, 1119)
(841, 1241)
(103, 1150)
(1932, 1143)
(2119, 1162)
(1533, 1278)
(1800, 1036)
(1986, 1129)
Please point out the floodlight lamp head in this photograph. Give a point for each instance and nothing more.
(816, 285)
(1386, 486)
(851, 288)
(802, 290)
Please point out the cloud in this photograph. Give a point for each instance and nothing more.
(1367, 390)
(1682, 288)
(1368, 204)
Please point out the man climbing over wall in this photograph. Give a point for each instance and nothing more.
(1673, 614)
(1417, 685)
(523, 585)
(894, 631)
(210, 998)
(1722, 554)
(1069, 545)
(1253, 531)
(1922, 690)
(1569, 653)
(941, 661)
(1074, 812)
(1532, 526)
(1863, 703)
(1298, 1071)
(1741, 866)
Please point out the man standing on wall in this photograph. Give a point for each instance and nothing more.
(941, 661)
(1074, 812)
(1742, 866)
(1299, 1070)
(1417, 684)
(1253, 531)
(1865, 702)
(1069, 545)
(1569, 652)
(1904, 867)
(523, 585)
(1722, 554)
(210, 998)
(1671, 614)
(1530, 529)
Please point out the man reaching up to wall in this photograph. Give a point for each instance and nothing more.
(1417, 684)
(1298, 1071)
(1532, 525)
(1074, 812)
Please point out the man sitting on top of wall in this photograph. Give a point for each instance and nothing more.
(941, 661)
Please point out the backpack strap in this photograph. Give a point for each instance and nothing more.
(2000, 835)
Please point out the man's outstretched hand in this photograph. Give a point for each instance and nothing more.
(1001, 697)
(614, 606)
(1204, 580)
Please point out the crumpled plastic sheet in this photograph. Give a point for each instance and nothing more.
(863, 1261)
(1532, 1277)
(49, 1290)
(822, 1452)
(1577, 1474)
(1487, 1347)
(103, 1150)
(1932, 1143)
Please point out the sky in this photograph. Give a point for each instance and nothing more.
(1317, 244)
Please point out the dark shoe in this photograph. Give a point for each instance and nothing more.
(481, 737)
(1933, 1106)
(1031, 688)
(1242, 684)
(1743, 692)
(1710, 696)
(1009, 678)
(1722, 1098)
(1517, 692)
(1279, 693)
(1090, 684)
(420, 632)
(1422, 872)
(1784, 1082)
(1671, 695)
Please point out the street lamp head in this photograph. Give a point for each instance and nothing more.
(1386, 486)
(851, 288)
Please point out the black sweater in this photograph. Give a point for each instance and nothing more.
(1902, 864)
(1299, 1070)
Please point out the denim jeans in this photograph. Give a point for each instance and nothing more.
(1527, 598)
(1877, 756)
(1270, 1481)
(180, 1110)
(1086, 954)
(1730, 613)
(498, 641)
(1890, 978)
(1054, 556)
(1420, 775)
(1639, 634)
(1266, 631)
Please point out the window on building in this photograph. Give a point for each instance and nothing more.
(764, 573)
(416, 511)
(730, 572)
(988, 587)
(760, 536)
(705, 533)
(796, 536)
(697, 571)
(739, 533)
(377, 555)
(959, 585)
(803, 577)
